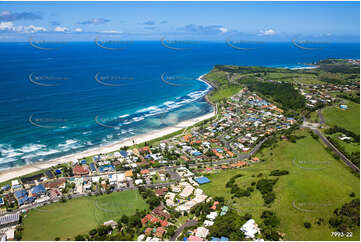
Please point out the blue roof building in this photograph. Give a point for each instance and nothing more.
(196, 153)
(6, 187)
(106, 168)
(202, 180)
(83, 162)
(19, 194)
(38, 190)
(123, 153)
(1, 201)
(92, 167)
(58, 172)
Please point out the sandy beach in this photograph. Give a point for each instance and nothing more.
(15, 172)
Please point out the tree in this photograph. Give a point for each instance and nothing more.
(307, 225)
(79, 238)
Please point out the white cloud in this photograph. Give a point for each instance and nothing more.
(223, 30)
(61, 29)
(9, 26)
(6, 25)
(79, 30)
(268, 32)
(110, 32)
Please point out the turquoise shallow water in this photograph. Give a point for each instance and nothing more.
(79, 96)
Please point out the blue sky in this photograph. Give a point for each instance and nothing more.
(266, 21)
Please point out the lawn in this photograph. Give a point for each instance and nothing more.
(79, 216)
(225, 92)
(348, 119)
(317, 184)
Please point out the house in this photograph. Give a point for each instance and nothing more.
(55, 184)
(208, 223)
(159, 232)
(128, 173)
(9, 220)
(250, 229)
(201, 232)
(37, 191)
(144, 172)
(194, 238)
(161, 191)
(111, 223)
(79, 170)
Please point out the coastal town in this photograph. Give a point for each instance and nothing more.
(174, 169)
(169, 173)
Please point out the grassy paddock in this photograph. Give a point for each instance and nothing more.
(348, 119)
(79, 216)
(317, 183)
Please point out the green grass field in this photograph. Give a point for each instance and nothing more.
(317, 184)
(348, 119)
(79, 216)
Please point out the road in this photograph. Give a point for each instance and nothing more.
(342, 156)
(188, 223)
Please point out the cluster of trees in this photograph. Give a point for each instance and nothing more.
(283, 93)
(150, 197)
(279, 173)
(128, 227)
(346, 218)
(236, 190)
(202, 209)
(354, 157)
(265, 186)
(229, 226)
(337, 129)
(349, 97)
(269, 225)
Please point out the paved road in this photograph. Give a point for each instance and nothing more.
(342, 156)
(188, 223)
(321, 117)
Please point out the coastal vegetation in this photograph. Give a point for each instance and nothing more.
(316, 185)
(78, 216)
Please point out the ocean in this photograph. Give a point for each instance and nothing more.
(55, 102)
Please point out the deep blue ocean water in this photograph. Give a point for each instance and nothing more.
(57, 102)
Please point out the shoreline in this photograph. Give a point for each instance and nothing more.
(15, 172)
